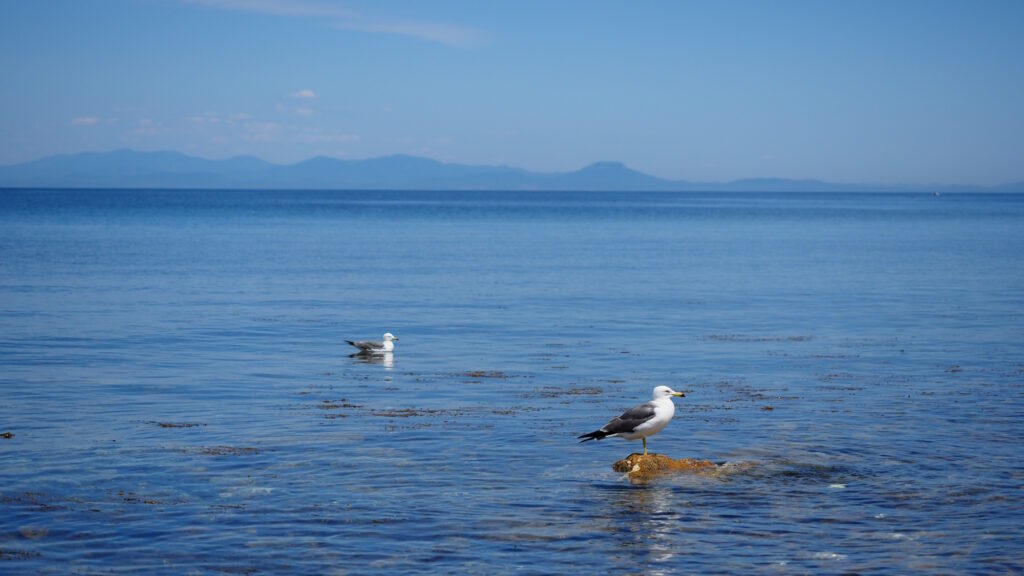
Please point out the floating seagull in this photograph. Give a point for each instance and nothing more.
(641, 421)
(370, 347)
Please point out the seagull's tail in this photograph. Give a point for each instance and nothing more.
(595, 435)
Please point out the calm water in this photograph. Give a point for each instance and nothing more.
(174, 374)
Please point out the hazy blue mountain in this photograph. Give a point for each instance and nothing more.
(1011, 187)
(394, 172)
(132, 169)
(611, 176)
(128, 168)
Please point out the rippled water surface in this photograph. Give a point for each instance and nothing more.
(178, 397)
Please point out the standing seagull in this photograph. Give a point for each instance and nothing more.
(641, 421)
(370, 347)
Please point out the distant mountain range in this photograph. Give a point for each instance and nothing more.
(133, 169)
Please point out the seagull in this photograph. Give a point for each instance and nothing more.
(370, 347)
(640, 421)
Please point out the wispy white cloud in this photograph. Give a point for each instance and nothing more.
(206, 118)
(447, 34)
(146, 126)
(215, 118)
(260, 131)
(286, 131)
(86, 121)
(294, 8)
(288, 109)
(304, 95)
(344, 19)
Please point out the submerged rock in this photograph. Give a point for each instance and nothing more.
(646, 468)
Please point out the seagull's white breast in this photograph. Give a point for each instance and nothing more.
(664, 410)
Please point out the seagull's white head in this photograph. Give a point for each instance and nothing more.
(666, 392)
(388, 337)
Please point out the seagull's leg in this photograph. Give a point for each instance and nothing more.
(644, 438)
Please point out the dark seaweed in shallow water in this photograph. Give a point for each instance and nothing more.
(179, 424)
(222, 450)
(477, 374)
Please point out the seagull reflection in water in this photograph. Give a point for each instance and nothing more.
(647, 523)
(385, 359)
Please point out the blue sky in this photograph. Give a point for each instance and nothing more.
(894, 91)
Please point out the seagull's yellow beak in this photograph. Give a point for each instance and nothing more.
(680, 394)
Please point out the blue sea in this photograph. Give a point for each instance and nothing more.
(177, 397)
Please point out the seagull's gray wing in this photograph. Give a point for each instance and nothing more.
(366, 345)
(623, 424)
(630, 419)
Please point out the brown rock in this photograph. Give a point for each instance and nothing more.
(646, 468)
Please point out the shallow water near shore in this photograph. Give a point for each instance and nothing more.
(179, 397)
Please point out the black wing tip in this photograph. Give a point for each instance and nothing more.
(597, 435)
